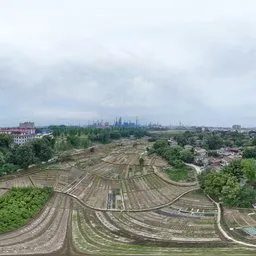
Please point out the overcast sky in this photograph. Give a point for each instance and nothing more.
(70, 61)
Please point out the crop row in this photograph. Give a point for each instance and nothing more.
(137, 193)
(130, 194)
(132, 158)
(115, 233)
(195, 203)
(122, 171)
(155, 225)
(45, 234)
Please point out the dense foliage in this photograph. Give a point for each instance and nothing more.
(249, 152)
(234, 185)
(176, 157)
(19, 205)
(215, 139)
(13, 157)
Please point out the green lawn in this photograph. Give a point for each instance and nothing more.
(181, 174)
(19, 205)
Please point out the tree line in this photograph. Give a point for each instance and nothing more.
(175, 155)
(69, 137)
(216, 139)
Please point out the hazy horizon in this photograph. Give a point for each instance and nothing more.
(163, 61)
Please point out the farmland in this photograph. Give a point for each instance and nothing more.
(20, 204)
(107, 203)
(241, 223)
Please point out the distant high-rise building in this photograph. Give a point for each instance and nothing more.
(236, 127)
(120, 121)
(137, 121)
(26, 125)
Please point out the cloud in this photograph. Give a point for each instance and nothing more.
(74, 62)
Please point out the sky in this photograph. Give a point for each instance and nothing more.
(166, 61)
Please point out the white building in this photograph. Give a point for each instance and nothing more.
(24, 138)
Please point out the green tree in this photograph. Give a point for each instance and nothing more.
(186, 156)
(8, 168)
(253, 143)
(115, 135)
(22, 155)
(182, 139)
(214, 142)
(249, 152)
(249, 169)
(5, 140)
(234, 169)
(73, 140)
(2, 159)
(231, 191)
(42, 149)
(246, 197)
(163, 143)
(141, 161)
(214, 182)
(84, 143)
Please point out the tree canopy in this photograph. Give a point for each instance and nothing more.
(234, 185)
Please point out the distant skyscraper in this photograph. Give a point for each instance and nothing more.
(120, 121)
(137, 121)
(236, 127)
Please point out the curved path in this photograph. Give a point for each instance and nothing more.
(224, 233)
(196, 167)
(124, 210)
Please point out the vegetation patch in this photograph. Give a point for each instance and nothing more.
(184, 173)
(19, 205)
(234, 185)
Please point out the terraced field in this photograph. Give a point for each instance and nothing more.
(45, 234)
(106, 203)
(241, 223)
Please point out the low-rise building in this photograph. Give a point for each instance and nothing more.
(23, 138)
(26, 132)
(18, 131)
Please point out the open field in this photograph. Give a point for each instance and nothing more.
(183, 174)
(106, 203)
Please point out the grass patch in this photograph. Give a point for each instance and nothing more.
(184, 173)
(19, 205)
